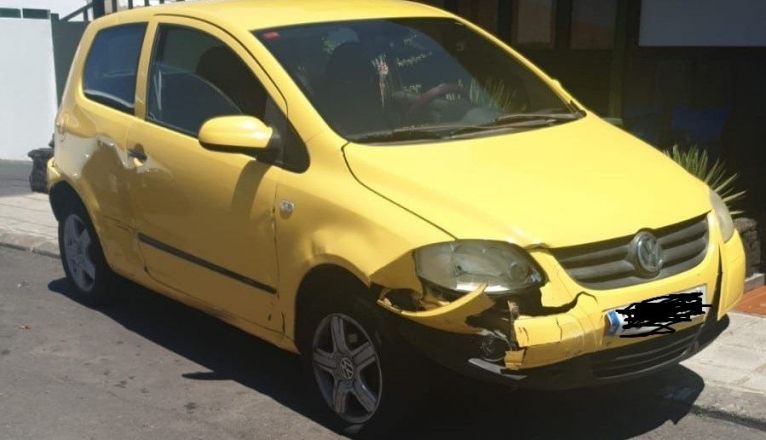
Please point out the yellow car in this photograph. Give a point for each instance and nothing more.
(369, 185)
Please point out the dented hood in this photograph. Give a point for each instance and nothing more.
(574, 183)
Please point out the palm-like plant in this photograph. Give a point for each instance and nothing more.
(494, 94)
(697, 162)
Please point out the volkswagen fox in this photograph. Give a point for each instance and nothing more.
(374, 185)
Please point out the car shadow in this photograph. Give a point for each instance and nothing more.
(454, 408)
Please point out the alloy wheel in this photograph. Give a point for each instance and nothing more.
(347, 368)
(77, 252)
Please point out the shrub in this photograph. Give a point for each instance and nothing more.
(697, 162)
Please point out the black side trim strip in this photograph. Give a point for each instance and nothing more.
(206, 264)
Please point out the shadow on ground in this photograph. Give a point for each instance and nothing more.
(454, 408)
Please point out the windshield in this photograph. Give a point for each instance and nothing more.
(412, 79)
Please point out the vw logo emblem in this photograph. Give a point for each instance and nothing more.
(346, 368)
(648, 253)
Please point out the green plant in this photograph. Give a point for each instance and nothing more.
(697, 162)
(494, 94)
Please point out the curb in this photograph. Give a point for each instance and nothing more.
(754, 281)
(740, 407)
(30, 243)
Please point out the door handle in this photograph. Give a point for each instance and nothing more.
(137, 152)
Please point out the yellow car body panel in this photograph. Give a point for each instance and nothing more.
(342, 234)
(733, 274)
(567, 186)
(364, 208)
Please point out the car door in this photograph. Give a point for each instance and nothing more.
(204, 219)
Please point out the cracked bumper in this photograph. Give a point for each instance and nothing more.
(572, 348)
(609, 366)
(598, 368)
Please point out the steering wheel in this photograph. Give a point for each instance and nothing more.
(422, 103)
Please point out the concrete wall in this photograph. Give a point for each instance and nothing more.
(66, 38)
(27, 86)
(62, 7)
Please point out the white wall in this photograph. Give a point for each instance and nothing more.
(703, 23)
(62, 7)
(27, 86)
(65, 7)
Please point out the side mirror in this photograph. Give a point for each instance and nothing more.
(235, 134)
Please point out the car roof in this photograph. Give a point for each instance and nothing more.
(264, 14)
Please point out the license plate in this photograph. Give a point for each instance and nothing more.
(658, 315)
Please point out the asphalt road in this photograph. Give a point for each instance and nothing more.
(14, 177)
(149, 368)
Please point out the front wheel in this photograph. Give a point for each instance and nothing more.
(366, 373)
(347, 368)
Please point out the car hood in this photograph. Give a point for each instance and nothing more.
(575, 183)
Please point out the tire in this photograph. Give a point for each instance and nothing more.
(82, 257)
(372, 377)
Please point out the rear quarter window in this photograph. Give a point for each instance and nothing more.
(110, 69)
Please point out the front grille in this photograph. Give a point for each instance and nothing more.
(610, 264)
(643, 356)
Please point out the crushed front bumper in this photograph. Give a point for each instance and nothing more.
(602, 367)
(569, 346)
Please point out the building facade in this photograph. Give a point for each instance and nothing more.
(675, 71)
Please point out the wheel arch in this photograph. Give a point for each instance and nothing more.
(60, 194)
(317, 285)
(63, 194)
(62, 190)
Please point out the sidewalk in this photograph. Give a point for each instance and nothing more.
(733, 367)
(26, 222)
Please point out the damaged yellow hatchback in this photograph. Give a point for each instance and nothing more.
(368, 185)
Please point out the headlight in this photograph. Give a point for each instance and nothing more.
(463, 266)
(724, 217)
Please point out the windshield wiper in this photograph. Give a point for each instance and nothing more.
(513, 117)
(520, 121)
(397, 134)
(423, 133)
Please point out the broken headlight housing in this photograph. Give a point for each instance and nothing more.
(465, 265)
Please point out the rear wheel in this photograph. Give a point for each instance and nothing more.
(82, 257)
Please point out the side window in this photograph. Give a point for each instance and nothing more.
(110, 69)
(196, 77)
